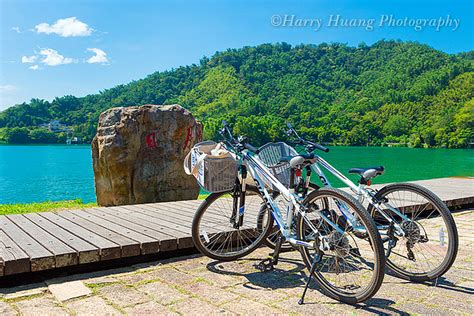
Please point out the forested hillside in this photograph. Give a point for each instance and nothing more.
(390, 92)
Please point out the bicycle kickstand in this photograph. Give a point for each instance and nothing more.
(269, 263)
(316, 260)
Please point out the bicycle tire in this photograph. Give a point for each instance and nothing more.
(198, 242)
(375, 244)
(450, 225)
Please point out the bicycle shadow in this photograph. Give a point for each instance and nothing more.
(443, 283)
(380, 306)
(275, 279)
(296, 277)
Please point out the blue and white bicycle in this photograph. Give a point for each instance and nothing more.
(338, 239)
(418, 231)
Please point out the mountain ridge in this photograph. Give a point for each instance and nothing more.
(390, 92)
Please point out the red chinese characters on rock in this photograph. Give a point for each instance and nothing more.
(193, 132)
(150, 139)
(189, 136)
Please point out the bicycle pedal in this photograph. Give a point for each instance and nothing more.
(265, 265)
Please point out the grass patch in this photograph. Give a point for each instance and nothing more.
(95, 287)
(6, 209)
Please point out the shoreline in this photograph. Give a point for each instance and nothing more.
(46, 206)
(325, 144)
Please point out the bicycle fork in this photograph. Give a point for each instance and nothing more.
(238, 205)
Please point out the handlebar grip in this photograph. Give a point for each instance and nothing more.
(251, 148)
(325, 149)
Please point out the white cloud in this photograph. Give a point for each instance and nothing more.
(34, 67)
(99, 57)
(29, 59)
(53, 58)
(7, 88)
(65, 27)
(16, 29)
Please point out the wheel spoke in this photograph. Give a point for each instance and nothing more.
(219, 237)
(348, 265)
(427, 221)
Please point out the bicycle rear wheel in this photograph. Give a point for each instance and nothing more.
(430, 244)
(351, 268)
(214, 233)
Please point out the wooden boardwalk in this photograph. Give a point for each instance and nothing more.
(42, 241)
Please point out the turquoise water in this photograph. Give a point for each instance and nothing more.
(57, 172)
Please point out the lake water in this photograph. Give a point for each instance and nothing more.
(57, 172)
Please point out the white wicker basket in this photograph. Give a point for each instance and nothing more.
(213, 172)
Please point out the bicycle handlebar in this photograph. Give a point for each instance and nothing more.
(311, 146)
(251, 148)
(238, 144)
(322, 148)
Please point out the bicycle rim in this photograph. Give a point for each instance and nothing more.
(429, 246)
(351, 270)
(214, 233)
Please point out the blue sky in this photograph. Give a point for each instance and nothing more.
(55, 48)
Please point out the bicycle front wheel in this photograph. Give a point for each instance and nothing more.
(215, 233)
(430, 242)
(350, 258)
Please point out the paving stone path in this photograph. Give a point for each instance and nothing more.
(198, 285)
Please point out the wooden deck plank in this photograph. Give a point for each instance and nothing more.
(14, 259)
(40, 257)
(164, 218)
(180, 231)
(129, 247)
(147, 244)
(153, 210)
(175, 208)
(167, 242)
(107, 249)
(166, 210)
(183, 237)
(63, 254)
(87, 252)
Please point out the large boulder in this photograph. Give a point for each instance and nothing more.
(138, 154)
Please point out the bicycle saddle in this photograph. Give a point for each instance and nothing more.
(368, 173)
(297, 160)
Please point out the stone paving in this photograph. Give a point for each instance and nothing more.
(198, 285)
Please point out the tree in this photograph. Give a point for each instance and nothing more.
(396, 125)
(17, 135)
(42, 136)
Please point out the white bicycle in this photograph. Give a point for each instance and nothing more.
(419, 234)
(344, 256)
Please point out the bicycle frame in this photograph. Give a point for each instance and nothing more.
(360, 191)
(258, 170)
